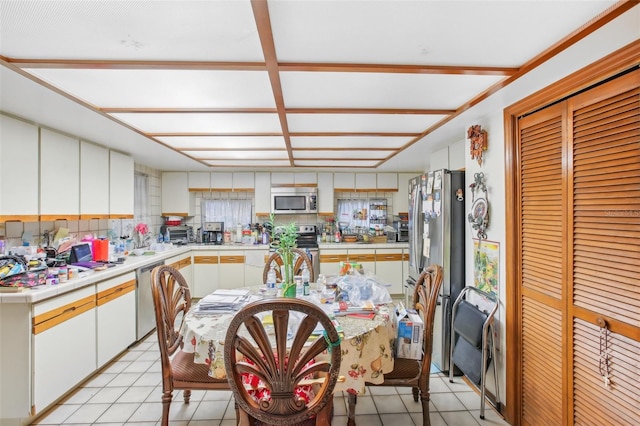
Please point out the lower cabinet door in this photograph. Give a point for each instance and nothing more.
(64, 346)
(231, 269)
(116, 317)
(389, 269)
(206, 265)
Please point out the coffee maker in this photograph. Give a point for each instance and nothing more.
(213, 233)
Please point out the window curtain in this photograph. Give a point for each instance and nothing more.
(231, 212)
(141, 207)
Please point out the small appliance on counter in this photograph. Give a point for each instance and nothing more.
(213, 233)
(178, 234)
(402, 230)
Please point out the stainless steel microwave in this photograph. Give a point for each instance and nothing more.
(294, 200)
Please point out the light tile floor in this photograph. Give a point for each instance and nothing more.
(128, 392)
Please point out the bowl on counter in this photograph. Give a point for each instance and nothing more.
(139, 251)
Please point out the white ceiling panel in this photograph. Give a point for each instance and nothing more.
(201, 123)
(361, 142)
(178, 30)
(412, 123)
(238, 155)
(249, 163)
(337, 163)
(379, 90)
(163, 88)
(341, 155)
(444, 32)
(223, 142)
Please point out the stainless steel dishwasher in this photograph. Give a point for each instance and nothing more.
(145, 315)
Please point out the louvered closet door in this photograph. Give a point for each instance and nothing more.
(541, 275)
(606, 250)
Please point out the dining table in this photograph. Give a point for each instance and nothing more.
(367, 341)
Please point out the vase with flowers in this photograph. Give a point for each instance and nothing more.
(141, 236)
(284, 243)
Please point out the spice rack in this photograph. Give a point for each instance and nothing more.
(378, 212)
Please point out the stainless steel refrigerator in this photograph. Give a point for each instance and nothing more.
(437, 235)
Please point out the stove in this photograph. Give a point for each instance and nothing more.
(307, 237)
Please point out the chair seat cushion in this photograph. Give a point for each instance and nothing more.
(404, 368)
(186, 371)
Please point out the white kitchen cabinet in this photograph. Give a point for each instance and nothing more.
(206, 270)
(389, 269)
(366, 182)
(387, 182)
(330, 259)
(344, 182)
(176, 199)
(182, 262)
(244, 181)
(115, 316)
(263, 194)
(59, 176)
(232, 269)
(19, 184)
(401, 198)
(310, 179)
(365, 256)
(94, 181)
(282, 178)
(199, 181)
(221, 181)
(254, 261)
(64, 344)
(121, 184)
(325, 194)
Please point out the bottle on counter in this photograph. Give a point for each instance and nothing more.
(305, 280)
(271, 282)
(238, 233)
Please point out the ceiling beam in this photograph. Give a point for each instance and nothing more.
(407, 111)
(397, 69)
(263, 22)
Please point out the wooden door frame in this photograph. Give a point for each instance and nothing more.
(609, 66)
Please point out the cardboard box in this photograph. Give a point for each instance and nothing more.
(410, 333)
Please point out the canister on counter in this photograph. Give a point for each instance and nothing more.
(63, 275)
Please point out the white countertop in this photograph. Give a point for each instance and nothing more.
(132, 262)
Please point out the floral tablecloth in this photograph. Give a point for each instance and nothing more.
(367, 345)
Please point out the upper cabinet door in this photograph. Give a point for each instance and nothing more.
(176, 200)
(244, 181)
(121, 183)
(325, 194)
(18, 159)
(94, 181)
(59, 176)
(401, 198)
(199, 181)
(301, 179)
(387, 182)
(366, 182)
(344, 182)
(281, 178)
(263, 194)
(221, 181)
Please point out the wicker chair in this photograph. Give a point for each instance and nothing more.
(300, 258)
(282, 369)
(172, 300)
(410, 372)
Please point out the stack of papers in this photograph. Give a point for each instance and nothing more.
(224, 300)
(347, 307)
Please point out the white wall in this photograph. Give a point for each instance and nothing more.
(489, 114)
